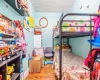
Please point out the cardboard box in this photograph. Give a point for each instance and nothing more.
(35, 65)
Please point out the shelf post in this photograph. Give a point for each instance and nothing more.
(90, 49)
(60, 50)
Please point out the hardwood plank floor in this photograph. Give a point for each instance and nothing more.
(47, 73)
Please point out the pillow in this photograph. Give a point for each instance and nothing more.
(66, 50)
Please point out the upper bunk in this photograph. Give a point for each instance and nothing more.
(74, 25)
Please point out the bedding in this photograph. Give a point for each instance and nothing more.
(71, 65)
(67, 27)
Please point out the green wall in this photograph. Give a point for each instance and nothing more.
(12, 14)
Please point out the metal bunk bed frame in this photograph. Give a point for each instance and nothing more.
(72, 35)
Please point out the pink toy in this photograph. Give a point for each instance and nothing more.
(96, 25)
(22, 45)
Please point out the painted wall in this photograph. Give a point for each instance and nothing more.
(47, 32)
(29, 37)
(80, 46)
(12, 14)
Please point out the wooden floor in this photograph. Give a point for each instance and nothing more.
(47, 73)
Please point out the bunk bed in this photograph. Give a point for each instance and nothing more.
(77, 25)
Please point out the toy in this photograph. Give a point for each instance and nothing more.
(3, 50)
(0, 77)
(10, 70)
(19, 29)
(2, 29)
(31, 21)
(21, 42)
(56, 47)
(8, 77)
(21, 3)
(22, 45)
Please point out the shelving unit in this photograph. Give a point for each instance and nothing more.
(14, 60)
(11, 54)
(9, 60)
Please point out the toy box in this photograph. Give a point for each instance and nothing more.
(35, 64)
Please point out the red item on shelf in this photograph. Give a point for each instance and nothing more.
(0, 77)
(38, 32)
(18, 24)
(6, 51)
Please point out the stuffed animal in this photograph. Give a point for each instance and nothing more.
(10, 69)
(8, 77)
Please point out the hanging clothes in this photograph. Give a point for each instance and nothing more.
(96, 25)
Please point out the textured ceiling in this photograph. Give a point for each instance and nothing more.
(52, 5)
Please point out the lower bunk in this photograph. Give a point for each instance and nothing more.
(73, 67)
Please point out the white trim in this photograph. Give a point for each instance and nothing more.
(26, 73)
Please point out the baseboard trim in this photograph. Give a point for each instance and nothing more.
(26, 73)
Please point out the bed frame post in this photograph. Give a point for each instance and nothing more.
(53, 41)
(90, 49)
(60, 50)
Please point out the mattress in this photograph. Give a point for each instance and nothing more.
(71, 64)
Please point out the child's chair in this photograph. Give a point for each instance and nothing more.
(49, 54)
